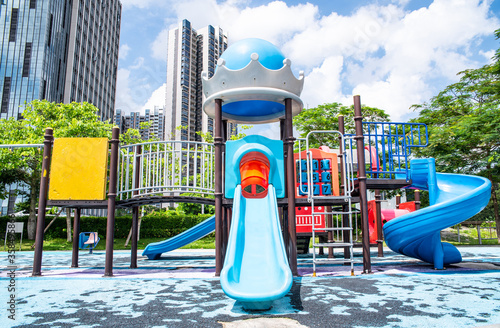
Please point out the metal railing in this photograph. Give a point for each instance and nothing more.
(389, 147)
(166, 168)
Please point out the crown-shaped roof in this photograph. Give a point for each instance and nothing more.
(243, 87)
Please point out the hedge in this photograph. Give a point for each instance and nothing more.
(155, 225)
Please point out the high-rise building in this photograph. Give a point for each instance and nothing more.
(155, 118)
(59, 50)
(190, 52)
(94, 41)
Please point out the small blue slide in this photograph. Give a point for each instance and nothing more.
(453, 199)
(256, 269)
(154, 250)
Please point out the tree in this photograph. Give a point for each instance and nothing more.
(67, 120)
(325, 117)
(464, 126)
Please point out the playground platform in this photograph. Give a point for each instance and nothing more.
(180, 290)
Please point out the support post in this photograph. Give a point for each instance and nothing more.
(358, 123)
(76, 237)
(135, 210)
(345, 207)
(42, 201)
(398, 201)
(417, 200)
(218, 142)
(378, 209)
(290, 181)
(284, 209)
(110, 228)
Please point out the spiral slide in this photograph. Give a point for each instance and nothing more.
(256, 269)
(453, 198)
(154, 250)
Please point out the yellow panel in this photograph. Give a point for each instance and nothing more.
(78, 169)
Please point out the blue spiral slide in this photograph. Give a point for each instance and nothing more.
(256, 269)
(453, 199)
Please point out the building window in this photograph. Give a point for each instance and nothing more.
(5, 94)
(49, 36)
(27, 59)
(32, 4)
(13, 25)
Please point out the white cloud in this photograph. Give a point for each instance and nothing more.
(325, 81)
(124, 50)
(389, 55)
(157, 98)
(127, 4)
(124, 95)
(160, 45)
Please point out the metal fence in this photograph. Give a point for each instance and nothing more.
(389, 147)
(166, 168)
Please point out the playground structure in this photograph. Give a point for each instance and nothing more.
(264, 183)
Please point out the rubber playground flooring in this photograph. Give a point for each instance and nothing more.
(180, 290)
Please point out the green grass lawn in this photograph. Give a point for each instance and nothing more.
(60, 244)
(468, 236)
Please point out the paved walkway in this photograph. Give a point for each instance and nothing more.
(180, 290)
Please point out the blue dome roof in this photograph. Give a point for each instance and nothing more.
(238, 55)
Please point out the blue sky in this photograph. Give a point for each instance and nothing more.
(394, 53)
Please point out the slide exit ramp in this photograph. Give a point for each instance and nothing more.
(154, 250)
(256, 269)
(453, 198)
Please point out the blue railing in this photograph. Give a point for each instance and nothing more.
(389, 147)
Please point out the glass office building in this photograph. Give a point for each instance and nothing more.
(59, 50)
(33, 52)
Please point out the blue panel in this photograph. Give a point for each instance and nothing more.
(304, 177)
(303, 165)
(316, 189)
(303, 189)
(326, 189)
(254, 108)
(326, 177)
(325, 164)
(315, 177)
(315, 165)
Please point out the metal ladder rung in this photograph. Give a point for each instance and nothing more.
(331, 229)
(346, 198)
(332, 245)
(334, 260)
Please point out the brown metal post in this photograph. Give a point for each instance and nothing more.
(290, 181)
(42, 202)
(417, 199)
(110, 229)
(284, 209)
(135, 209)
(378, 209)
(345, 207)
(76, 237)
(218, 142)
(358, 123)
(398, 201)
(329, 219)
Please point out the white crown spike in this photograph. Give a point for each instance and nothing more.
(253, 82)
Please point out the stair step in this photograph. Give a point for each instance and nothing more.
(333, 245)
(331, 229)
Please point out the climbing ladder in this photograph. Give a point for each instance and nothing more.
(341, 204)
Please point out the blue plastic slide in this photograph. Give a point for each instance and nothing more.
(256, 269)
(453, 199)
(154, 250)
